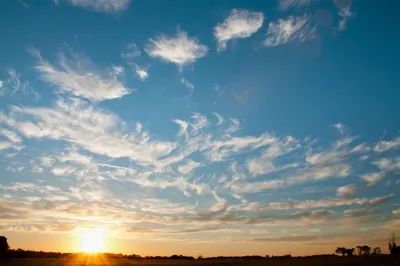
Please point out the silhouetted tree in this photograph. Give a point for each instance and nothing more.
(3, 247)
(393, 248)
(349, 251)
(377, 251)
(359, 250)
(345, 251)
(366, 250)
(341, 250)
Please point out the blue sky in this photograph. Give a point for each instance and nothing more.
(219, 127)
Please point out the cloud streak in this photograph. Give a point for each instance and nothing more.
(239, 24)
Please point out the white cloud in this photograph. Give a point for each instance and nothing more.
(57, 198)
(79, 77)
(10, 135)
(63, 170)
(14, 84)
(74, 157)
(372, 178)
(319, 173)
(5, 145)
(180, 50)
(108, 6)
(187, 83)
(325, 203)
(47, 161)
(182, 125)
(361, 148)
(142, 73)
(286, 4)
(382, 145)
(347, 191)
(396, 212)
(96, 131)
(254, 187)
(380, 200)
(388, 165)
(287, 30)
(188, 167)
(36, 169)
(239, 24)
(345, 13)
(132, 51)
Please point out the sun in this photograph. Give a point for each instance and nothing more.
(92, 241)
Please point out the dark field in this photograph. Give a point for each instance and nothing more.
(273, 262)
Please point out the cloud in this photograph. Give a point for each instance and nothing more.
(188, 167)
(5, 145)
(388, 164)
(345, 13)
(63, 170)
(347, 191)
(299, 238)
(396, 212)
(14, 84)
(324, 203)
(180, 49)
(357, 213)
(142, 73)
(239, 24)
(187, 83)
(132, 51)
(10, 135)
(288, 30)
(78, 76)
(287, 4)
(182, 125)
(372, 178)
(74, 157)
(318, 173)
(380, 200)
(96, 131)
(382, 145)
(107, 6)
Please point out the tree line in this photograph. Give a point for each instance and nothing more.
(365, 250)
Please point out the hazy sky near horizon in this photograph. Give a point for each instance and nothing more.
(199, 127)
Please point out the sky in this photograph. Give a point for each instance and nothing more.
(199, 127)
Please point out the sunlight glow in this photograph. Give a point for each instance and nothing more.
(92, 240)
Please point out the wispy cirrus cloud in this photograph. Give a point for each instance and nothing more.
(383, 145)
(180, 49)
(239, 24)
(78, 76)
(14, 84)
(78, 123)
(107, 6)
(287, 30)
(287, 4)
(132, 51)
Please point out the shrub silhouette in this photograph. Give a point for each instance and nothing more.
(377, 251)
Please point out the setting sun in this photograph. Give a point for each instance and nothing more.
(92, 241)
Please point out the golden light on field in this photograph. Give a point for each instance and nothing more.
(93, 240)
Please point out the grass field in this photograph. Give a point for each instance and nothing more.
(272, 262)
